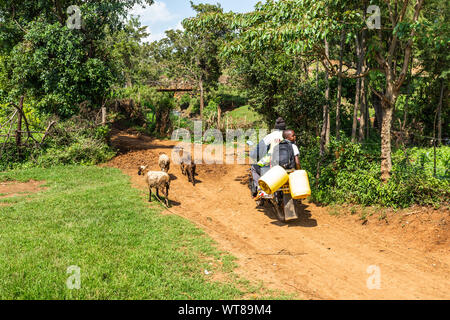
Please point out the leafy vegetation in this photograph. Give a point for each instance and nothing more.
(350, 175)
(72, 142)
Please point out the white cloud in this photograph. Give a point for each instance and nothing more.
(159, 35)
(179, 26)
(157, 18)
(156, 13)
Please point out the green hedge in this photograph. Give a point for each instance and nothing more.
(350, 173)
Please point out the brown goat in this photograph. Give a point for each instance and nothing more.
(188, 167)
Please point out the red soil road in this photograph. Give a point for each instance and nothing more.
(320, 256)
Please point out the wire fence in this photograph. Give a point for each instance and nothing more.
(427, 156)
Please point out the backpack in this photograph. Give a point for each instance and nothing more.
(283, 155)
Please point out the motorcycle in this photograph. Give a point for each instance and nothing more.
(281, 202)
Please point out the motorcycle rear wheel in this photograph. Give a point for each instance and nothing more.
(278, 207)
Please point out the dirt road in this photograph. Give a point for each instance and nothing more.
(320, 256)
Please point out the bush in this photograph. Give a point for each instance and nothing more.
(227, 97)
(194, 106)
(210, 110)
(350, 173)
(185, 101)
(74, 141)
(87, 151)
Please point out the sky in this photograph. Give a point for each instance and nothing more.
(167, 14)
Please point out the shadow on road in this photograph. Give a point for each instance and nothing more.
(303, 221)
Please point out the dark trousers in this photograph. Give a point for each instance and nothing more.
(257, 172)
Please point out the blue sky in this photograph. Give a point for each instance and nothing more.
(168, 14)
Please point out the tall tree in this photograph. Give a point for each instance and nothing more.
(57, 66)
(395, 44)
(194, 52)
(339, 90)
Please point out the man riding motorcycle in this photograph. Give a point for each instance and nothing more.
(271, 143)
(262, 154)
(284, 154)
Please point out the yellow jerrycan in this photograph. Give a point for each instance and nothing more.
(299, 185)
(273, 180)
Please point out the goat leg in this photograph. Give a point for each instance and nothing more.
(150, 196)
(193, 176)
(167, 195)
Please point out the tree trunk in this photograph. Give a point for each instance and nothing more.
(103, 116)
(358, 91)
(363, 98)
(363, 109)
(327, 113)
(408, 95)
(405, 112)
(339, 93)
(386, 162)
(439, 124)
(202, 101)
(219, 116)
(355, 110)
(376, 102)
(325, 133)
(388, 103)
(367, 116)
(327, 99)
(305, 67)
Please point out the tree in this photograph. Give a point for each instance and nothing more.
(193, 53)
(130, 55)
(54, 66)
(432, 51)
(301, 26)
(397, 43)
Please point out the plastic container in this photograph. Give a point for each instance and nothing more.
(299, 185)
(273, 180)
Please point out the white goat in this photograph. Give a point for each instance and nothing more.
(164, 162)
(158, 180)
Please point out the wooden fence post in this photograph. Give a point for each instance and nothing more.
(19, 126)
(103, 116)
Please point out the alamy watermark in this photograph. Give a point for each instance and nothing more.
(374, 280)
(74, 280)
(74, 19)
(216, 147)
(374, 21)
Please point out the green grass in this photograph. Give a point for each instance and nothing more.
(245, 113)
(91, 217)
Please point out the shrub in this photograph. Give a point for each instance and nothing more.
(87, 151)
(185, 101)
(350, 173)
(74, 141)
(194, 106)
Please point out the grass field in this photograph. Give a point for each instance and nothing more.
(246, 115)
(92, 218)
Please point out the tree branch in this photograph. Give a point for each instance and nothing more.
(381, 96)
(408, 49)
